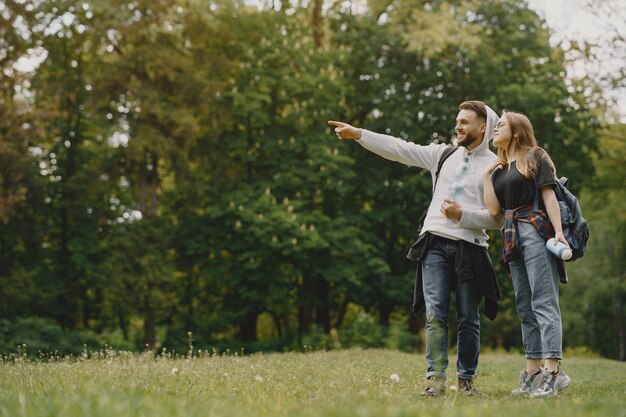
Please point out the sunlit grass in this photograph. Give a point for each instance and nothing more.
(338, 383)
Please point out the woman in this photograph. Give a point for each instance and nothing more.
(510, 187)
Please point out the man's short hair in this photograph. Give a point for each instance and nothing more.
(476, 106)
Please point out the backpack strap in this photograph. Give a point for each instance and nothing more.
(419, 247)
(447, 151)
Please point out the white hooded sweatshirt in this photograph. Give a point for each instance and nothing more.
(475, 218)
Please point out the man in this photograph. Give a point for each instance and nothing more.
(452, 248)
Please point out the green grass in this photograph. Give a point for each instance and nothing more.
(337, 383)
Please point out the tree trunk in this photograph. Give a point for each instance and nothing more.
(277, 323)
(317, 23)
(322, 307)
(121, 318)
(385, 305)
(71, 294)
(149, 328)
(143, 188)
(304, 321)
(305, 311)
(618, 308)
(190, 290)
(415, 325)
(148, 185)
(384, 311)
(342, 312)
(154, 186)
(247, 328)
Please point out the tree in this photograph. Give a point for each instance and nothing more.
(21, 186)
(169, 168)
(593, 302)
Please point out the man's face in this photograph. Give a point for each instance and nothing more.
(470, 129)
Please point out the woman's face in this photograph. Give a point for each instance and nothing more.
(502, 133)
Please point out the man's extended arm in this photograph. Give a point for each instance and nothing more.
(389, 147)
(394, 149)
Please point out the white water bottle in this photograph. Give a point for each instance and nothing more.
(560, 249)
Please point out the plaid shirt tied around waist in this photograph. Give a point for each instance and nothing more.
(527, 214)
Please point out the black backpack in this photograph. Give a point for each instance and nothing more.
(575, 227)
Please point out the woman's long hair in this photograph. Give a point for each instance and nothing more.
(524, 143)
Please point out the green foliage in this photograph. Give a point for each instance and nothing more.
(362, 331)
(167, 167)
(597, 294)
(35, 336)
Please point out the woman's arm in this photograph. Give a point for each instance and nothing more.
(554, 212)
(491, 201)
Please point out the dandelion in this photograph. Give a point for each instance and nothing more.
(453, 388)
(258, 378)
(394, 377)
(174, 371)
(225, 374)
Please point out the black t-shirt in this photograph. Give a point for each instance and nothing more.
(514, 190)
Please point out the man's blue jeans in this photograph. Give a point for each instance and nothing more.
(439, 280)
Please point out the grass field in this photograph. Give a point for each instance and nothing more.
(337, 383)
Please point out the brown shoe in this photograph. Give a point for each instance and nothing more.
(435, 386)
(467, 387)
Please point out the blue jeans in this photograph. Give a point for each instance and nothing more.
(439, 280)
(536, 284)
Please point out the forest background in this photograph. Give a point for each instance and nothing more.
(167, 178)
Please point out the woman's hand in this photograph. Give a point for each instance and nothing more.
(489, 194)
(492, 167)
(559, 236)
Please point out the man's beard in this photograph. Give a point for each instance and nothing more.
(469, 138)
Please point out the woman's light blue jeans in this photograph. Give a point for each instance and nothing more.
(536, 284)
(439, 279)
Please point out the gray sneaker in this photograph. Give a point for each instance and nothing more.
(436, 386)
(551, 383)
(527, 383)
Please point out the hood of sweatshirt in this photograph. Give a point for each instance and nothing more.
(492, 120)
